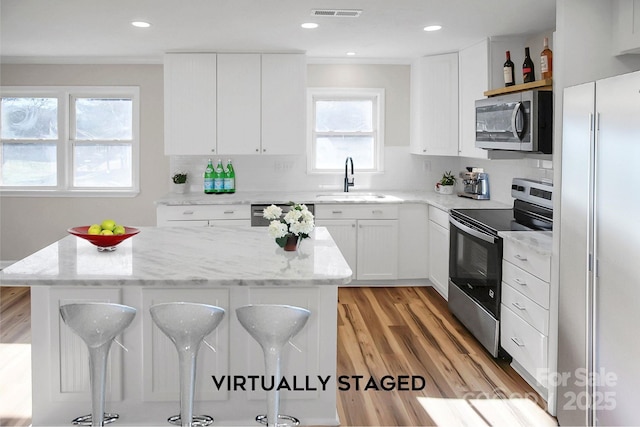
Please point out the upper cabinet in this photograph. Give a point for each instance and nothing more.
(190, 103)
(473, 82)
(434, 105)
(626, 27)
(241, 104)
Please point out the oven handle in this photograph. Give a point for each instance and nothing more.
(476, 233)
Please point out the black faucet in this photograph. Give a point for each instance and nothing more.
(348, 178)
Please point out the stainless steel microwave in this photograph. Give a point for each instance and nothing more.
(520, 121)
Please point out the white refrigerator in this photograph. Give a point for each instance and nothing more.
(598, 374)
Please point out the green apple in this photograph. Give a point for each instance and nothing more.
(94, 229)
(118, 230)
(108, 224)
(106, 233)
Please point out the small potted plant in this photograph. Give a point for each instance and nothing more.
(289, 229)
(179, 182)
(446, 183)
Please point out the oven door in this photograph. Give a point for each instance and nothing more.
(475, 264)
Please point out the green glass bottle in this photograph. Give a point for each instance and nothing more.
(218, 178)
(229, 178)
(208, 178)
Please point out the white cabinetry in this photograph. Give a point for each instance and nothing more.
(239, 103)
(413, 241)
(190, 103)
(229, 104)
(439, 250)
(524, 311)
(203, 215)
(434, 105)
(372, 230)
(626, 27)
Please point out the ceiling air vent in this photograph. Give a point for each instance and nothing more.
(337, 13)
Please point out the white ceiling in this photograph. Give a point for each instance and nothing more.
(85, 31)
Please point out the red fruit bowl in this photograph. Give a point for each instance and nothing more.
(104, 243)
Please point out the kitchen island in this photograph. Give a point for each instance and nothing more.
(227, 267)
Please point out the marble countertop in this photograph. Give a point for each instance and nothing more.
(441, 201)
(538, 241)
(185, 257)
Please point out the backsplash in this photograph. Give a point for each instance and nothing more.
(403, 171)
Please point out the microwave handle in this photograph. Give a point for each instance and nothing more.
(514, 120)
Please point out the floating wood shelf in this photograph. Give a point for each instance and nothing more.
(539, 84)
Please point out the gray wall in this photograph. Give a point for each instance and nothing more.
(30, 223)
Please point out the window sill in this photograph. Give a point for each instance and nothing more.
(68, 193)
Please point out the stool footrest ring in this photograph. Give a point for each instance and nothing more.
(196, 420)
(293, 421)
(86, 420)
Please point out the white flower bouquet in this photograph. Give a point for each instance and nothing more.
(297, 222)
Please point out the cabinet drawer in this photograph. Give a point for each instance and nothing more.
(202, 212)
(439, 216)
(533, 262)
(526, 283)
(365, 211)
(526, 309)
(523, 342)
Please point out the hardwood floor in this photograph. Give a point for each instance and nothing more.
(393, 335)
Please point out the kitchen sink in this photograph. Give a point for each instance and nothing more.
(356, 196)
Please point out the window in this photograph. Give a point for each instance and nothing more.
(345, 123)
(73, 140)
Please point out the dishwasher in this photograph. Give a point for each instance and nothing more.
(257, 220)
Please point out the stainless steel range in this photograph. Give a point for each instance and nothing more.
(475, 256)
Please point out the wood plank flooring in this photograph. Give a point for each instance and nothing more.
(382, 332)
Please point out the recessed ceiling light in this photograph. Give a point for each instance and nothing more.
(433, 28)
(351, 53)
(140, 24)
(309, 25)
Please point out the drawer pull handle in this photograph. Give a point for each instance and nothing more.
(520, 257)
(518, 306)
(336, 212)
(376, 211)
(229, 212)
(187, 213)
(517, 341)
(520, 281)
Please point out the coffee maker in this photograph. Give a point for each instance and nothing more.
(476, 184)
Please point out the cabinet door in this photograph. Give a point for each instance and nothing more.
(284, 82)
(190, 104)
(413, 242)
(377, 249)
(343, 232)
(239, 103)
(626, 27)
(434, 109)
(439, 258)
(474, 81)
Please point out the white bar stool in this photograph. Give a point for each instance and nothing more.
(273, 326)
(97, 324)
(187, 324)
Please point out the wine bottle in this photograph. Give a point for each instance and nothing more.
(546, 60)
(528, 74)
(218, 178)
(229, 178)
(509, 74)
(208, 178)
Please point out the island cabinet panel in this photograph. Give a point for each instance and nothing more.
(160, 365)
(70, 366)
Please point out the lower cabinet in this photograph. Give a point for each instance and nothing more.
(524, 325)
(439, 250)
(367, 235)
(203, 215)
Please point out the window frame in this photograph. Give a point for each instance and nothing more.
(347, 94)
(66, 141)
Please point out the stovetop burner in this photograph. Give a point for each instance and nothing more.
(494, 219)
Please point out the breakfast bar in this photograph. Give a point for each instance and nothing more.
(223, 266)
